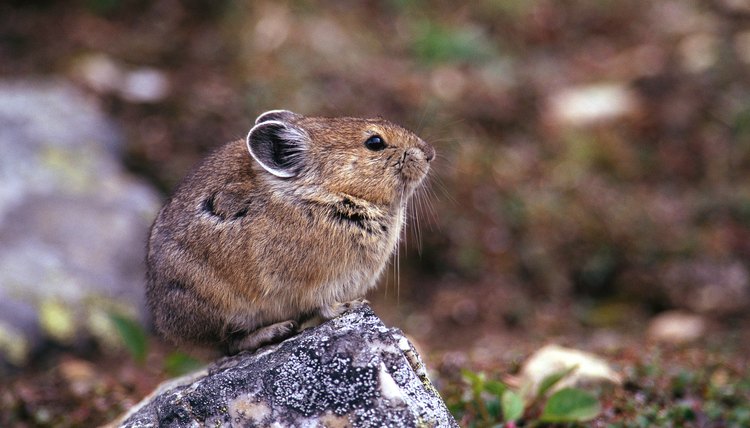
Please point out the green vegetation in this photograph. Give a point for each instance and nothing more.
(438, 44)
(179, 363)
(711, 395)
(655, 393)
(484, 402)
(135, 338)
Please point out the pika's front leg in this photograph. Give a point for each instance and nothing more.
(325, 313)
(267, 335)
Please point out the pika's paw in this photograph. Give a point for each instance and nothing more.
(338, 309)
(354, 304)
(284, 329)
(267, 335)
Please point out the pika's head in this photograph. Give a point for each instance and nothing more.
(370, 159)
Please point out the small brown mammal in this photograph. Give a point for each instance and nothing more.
(253, 244)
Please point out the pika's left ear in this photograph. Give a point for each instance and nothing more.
(280, 115)
(279, 147)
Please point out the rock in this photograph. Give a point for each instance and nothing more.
(104, 75)
(700, 51)
(742, 46)
(676, 327)
(81, 377)
(591, 104)
(589, 369)
(73, 224)
(145, 85)
(707, 286)
(350, 371)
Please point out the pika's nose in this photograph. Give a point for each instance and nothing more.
(428, 150)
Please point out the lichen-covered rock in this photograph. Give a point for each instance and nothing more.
(73, 223)
(351, 371)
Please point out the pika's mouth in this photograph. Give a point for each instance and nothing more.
(414, 164)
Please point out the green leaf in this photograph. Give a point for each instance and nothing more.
(551, 380)
(513, 405)
(178, 363)
(132, 334)
(493, 408)
(495, 388)
(571, 405)
(471, 377)
(475, 380)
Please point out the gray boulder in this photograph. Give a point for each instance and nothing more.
(351, 371)
(73, 223)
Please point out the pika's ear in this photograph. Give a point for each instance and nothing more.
(278, 147)
(280, 115)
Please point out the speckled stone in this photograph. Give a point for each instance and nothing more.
(351, 371)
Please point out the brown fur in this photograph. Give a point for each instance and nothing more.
(237, 249)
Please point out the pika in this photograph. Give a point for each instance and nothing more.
(293, 224)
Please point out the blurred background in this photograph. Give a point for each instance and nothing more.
(593, 172)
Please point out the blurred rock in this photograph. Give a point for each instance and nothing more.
(105, 75)
(742, 46)
(351, 371)
(591, 104)
(99, 72)
(736, 6)
(676, 327)
(589, 369)
(73, 224)
(708, 286)
(81, 376)
(272, 28)
(145, 85)
(699, 52)
(447, 83)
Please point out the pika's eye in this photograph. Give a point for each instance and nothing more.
(375, 143)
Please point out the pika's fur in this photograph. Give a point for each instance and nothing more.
(253, 244)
